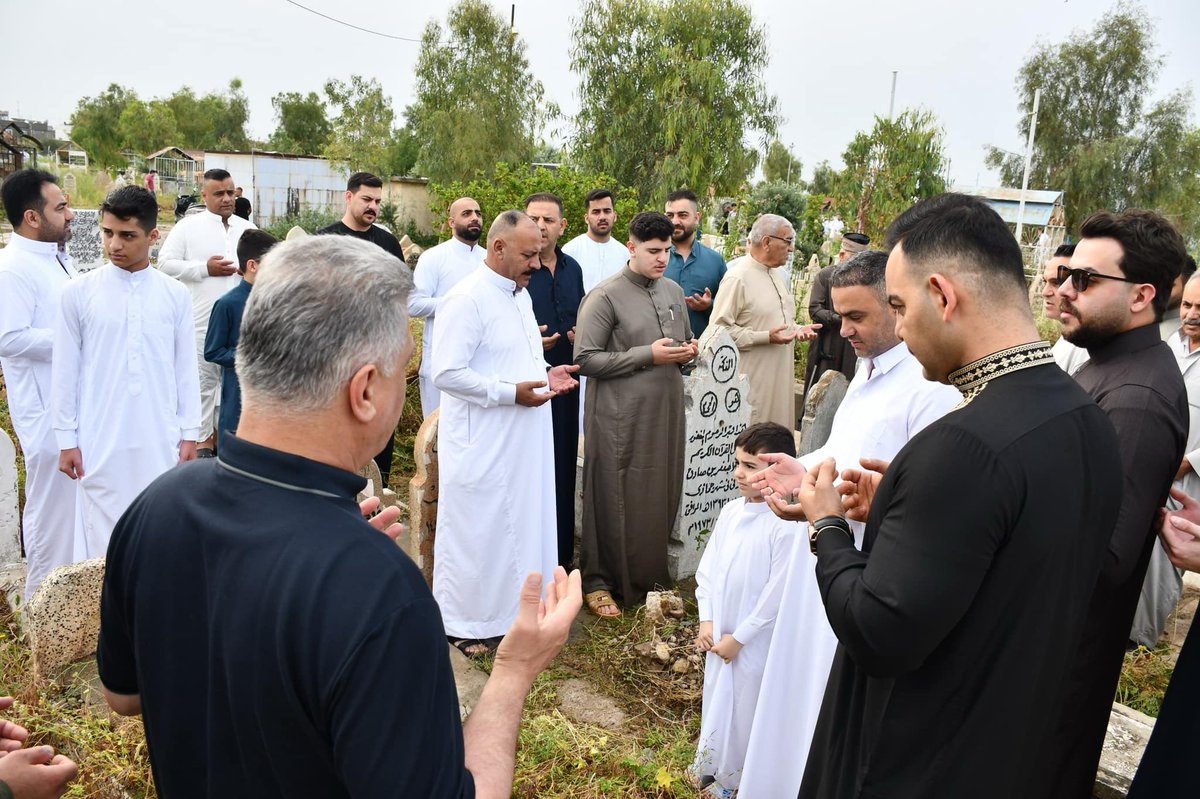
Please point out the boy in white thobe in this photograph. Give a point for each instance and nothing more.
(125, 389)
(738, 588)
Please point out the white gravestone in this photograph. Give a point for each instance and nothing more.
(717, 408)
(10, 516)
(84, 246)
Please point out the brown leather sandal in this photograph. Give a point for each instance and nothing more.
(598, 601)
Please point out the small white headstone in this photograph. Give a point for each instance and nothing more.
(716, 405)
(10, 515)
(84, 246)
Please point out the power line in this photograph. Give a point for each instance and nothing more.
(350, 25)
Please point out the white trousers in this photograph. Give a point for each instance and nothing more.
(48, 523)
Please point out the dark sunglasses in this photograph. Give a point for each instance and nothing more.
(1080, 278)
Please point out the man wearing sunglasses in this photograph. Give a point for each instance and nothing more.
(1110, 300)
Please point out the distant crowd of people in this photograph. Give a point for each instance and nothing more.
(935, 602)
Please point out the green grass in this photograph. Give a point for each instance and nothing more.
(1144, 677)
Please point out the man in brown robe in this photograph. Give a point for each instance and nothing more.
(757, 308)
(631, 338)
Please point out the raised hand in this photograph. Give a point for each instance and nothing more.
(529, 396)
(858, 488)
(560, 378)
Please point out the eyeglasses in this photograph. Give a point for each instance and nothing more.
(789, 242)
(1080, 278)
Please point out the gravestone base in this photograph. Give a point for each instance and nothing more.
(1124, 742)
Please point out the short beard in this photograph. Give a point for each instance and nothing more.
(688, 233)
(467, 234)
(1095, 332)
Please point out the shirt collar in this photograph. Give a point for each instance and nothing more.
(499, 281)
(285, 470)
(884, 362)
(1136, 340)
(458, 245)
(638, 280)
(974, 377)
(20, 242)
(1179, 343)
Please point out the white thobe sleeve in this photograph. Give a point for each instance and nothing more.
(64, 371)
(767, 608)
(421, 300)
(187, 375)
(704, 572)
(728, 304)
(18, 336)
(459, 333)
(172, 258)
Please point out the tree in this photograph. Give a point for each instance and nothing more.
(147, 127)
(1094, 139)
(900, 162)
(96, 125)
(302, 126)
(668, 92)
(213, 121)
(780, 166)
(361, 132)
(477, 101)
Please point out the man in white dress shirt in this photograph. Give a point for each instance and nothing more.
(438, 270)
(496, 518)
(125, 392)
(201, 251)
(888, 402)
(34, 269)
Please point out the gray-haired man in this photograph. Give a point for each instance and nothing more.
(276, 643)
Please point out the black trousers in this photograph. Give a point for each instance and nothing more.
(564, 410)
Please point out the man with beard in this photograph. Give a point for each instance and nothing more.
(34, 269)
(438, 270)
(1066, 354)
(556, 290)
(598, 253)
(201, 252)
(697, 269)
(495, 517)
(1111, 299)
(364, 193)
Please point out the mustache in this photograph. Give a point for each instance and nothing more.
(1066, 307)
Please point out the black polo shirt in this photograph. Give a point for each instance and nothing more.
(282, 647)
(556, 299)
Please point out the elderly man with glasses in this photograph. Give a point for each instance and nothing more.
(756, 306)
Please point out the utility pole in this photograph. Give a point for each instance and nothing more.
(1037, 97)
(892, 104)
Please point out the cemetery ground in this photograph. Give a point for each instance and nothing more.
(616, 715)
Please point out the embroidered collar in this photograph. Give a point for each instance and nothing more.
(974, 377)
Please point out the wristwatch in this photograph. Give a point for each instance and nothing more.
(820, 525)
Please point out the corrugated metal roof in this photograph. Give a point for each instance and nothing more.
(1039, 205)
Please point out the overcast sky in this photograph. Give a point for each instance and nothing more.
(831, 62)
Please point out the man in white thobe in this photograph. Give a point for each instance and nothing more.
(201, 252)
(888, 402)
(125, 392)
(438, 270)
(34, 269)
(496, 520)
(598, 253)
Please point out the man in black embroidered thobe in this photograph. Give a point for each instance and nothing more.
(958, 619)
(1112, 307)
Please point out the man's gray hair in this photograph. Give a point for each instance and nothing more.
(321, 309)
(768, 225)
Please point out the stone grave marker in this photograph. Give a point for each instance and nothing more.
(69, 184)
(84, 246)
(717, 409)
(10, 515)
(822, 403)
(423, 498)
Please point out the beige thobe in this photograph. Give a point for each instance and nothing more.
(753, 300)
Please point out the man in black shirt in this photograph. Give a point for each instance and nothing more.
(959, 619)
(364, 193)
(1111, 298)
(276, 644)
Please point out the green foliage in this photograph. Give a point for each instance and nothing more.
(507, 187)
(1095, 140)
(477, 101)
(361, 131)
(899, 162)
(96, 125)
(780, 166)
(214, 121)
(302, 126)
(311, 219)
(824, 180)
(785, 199)
(144, 127)
(668, 92)
(1144, 677)
(402, 152)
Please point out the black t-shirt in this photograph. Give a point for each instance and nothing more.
(281, 646)
(374, 234)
